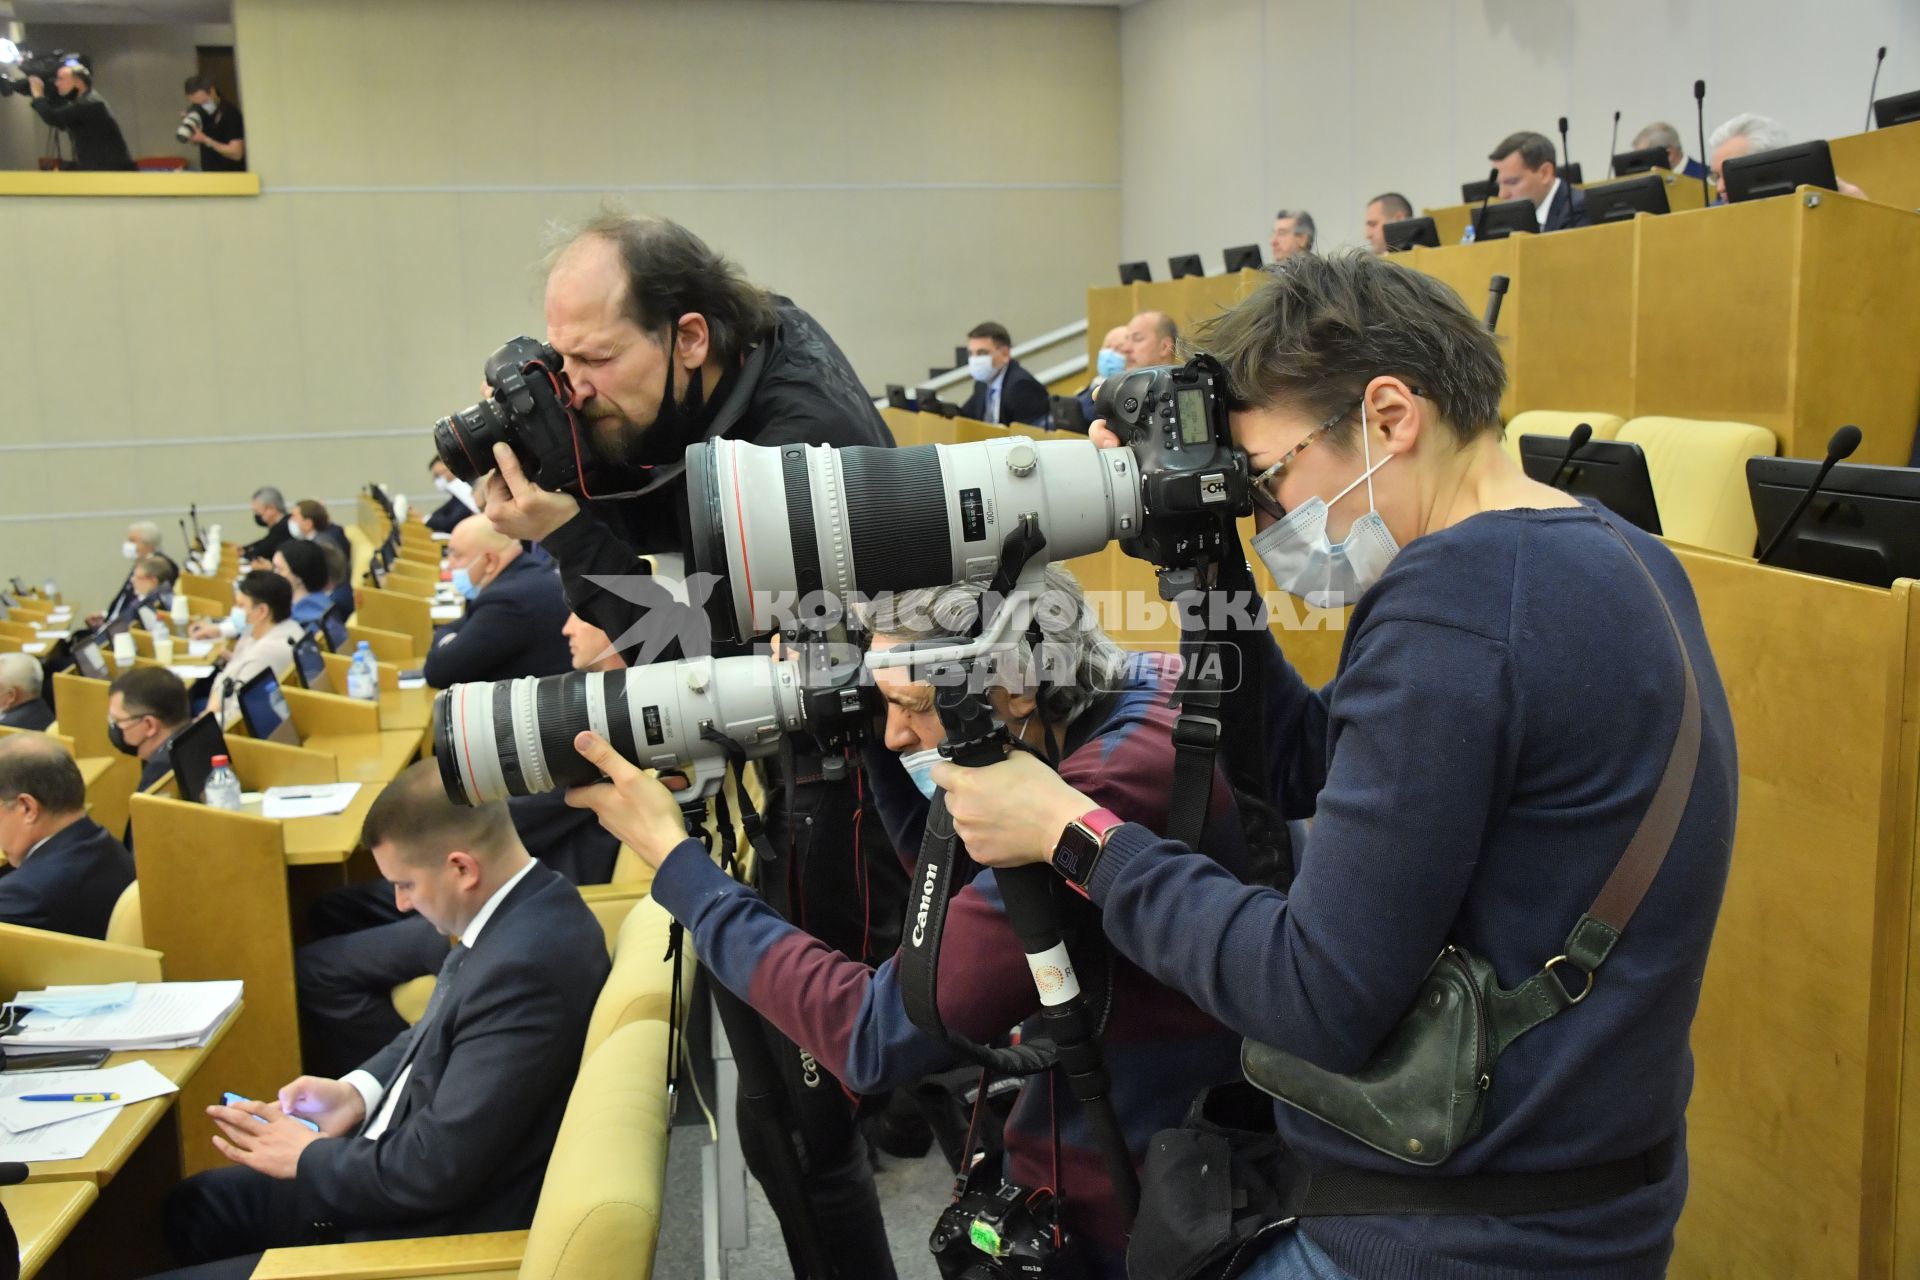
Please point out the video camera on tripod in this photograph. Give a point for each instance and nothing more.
(27, 64)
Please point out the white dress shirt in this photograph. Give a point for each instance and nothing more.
(1540, 210)
(371, 1089)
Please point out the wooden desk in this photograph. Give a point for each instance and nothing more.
(136, 1121)
(409, 709)
(1884, 163)
(329, 841)
(43, 1215)
(375, 758)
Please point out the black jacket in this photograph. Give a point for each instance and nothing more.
(275, 537)
(448, 514)
(97, 140)
(468, 1143)
(1569, 208)
(1023, 398)
(226, 125)
(69, 884)
(512, 628)
(796, 386)
(29, 715)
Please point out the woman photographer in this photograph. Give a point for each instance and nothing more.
(1509, 697)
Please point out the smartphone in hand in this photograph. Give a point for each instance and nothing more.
(231, 1098)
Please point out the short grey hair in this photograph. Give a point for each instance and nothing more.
(1077, 661)
(1658, 134)
(1763, 133)
(271, 497)
(20, 672)
(1302, 221)
(145, 531)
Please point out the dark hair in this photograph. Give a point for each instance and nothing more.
(414, 815)
(33, 764)
(992, 330)
(153, 691)
(306, 562)
(1534, 148)
(672, 273)
(264, 586)
(336, 563)
(197, 84)
(1394, 203)
(159, 568)
(1324, 327)
(314, 512)
(1302, 222)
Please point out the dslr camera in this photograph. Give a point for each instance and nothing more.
(30, 64)
(529, 412)
(1000, 1231)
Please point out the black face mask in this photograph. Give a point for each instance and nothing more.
(119, 740)
(261, 520)
(676, 426)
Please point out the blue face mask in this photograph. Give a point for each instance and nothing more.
(463, 583)
(237, 619)
(919, 767)
(1109, 362)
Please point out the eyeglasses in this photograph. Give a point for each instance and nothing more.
(122, 724)
(1261, 490)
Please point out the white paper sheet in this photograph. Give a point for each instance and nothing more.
(443, 612)
(163, 1015)
(413, 682)
(133, 1081)
(67, 1140)
(191, 671)
(49, 633)
(317, 800)
(442, 537)
(34, 648)
(199, 648)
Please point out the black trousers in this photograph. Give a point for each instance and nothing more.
(219, 1223)
(345, 987)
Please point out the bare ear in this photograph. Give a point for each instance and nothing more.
(466, 867)
(1396, 415)
(693, 342)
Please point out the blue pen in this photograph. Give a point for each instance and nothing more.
(69, 1097)
(231, 1098)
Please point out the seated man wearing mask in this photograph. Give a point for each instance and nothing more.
(270, 513)
(263, 619)
(67, 871)
(311, 522)
(515, 610)
(149, 586)
(142, 543)
(145, 708)
(367, 946)
(1080, 700)
(21, 682)
(1109, 360)
(460, 501)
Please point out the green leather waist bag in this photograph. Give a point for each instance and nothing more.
(1422, 1096)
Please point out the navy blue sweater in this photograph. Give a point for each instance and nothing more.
(1505, 703)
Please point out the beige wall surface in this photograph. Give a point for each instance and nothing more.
(902, 171)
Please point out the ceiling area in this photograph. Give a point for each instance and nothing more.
(118, 12)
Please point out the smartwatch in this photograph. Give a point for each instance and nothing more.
(1081, 845)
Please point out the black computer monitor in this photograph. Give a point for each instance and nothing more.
(6, 601)
(1611, 472)
(1501, 220)
(1408, 232)
(20, 588)
(1863, 525)
(1901, 108)
(897, 397)
(264, 709)
(1242, 257)
(1778, 172)
(332, 627)
(311, 663)
(88, 660)
(1135, 273)
(1570, 174)
(1187, 264)
(1475, 192)
(1619, 201)
(192, 751)
(1068, 415)
(1628, 163)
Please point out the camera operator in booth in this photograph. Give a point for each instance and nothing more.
(215, 126)
(75, 109)
(1526, 725)
(664, 344)
(1075, 697)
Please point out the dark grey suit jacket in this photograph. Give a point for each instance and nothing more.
(468, 1142)
(29, 715)
(69, 884)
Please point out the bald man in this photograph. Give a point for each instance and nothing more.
(67, 871)
(515, 611)
(1151, 339)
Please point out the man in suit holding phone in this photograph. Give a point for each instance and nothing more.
(68, 872)
(448, 1129)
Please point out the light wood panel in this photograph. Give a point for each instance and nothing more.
(1884, 163)
(387, 646)
(43, 1215)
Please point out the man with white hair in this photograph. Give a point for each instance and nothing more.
(142, 543)
(21, 706)
(1748, 134)
(515, 612)
(1665, 137)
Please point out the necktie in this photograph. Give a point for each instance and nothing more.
(993, 403)
(448, 968)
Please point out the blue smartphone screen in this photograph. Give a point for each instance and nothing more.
(231, 1098)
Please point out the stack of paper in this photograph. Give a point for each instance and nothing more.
(68, 1130)
(444, 612)
(161, 1015)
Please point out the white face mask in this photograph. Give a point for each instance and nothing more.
(129, 552)
(1329, 575)
(981, 367)
(443, 484)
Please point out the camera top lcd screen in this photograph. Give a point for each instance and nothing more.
(1191, 405)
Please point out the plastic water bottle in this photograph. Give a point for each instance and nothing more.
(363, 675)
(223, 789)
(1466, 237)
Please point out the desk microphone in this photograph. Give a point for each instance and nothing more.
(1613, 147)
(1874, 88)
(12, 1173)
(1565, 158)
(1844, 442)
(1576, 441)
(1496, 290)
(1700, 119)
(1480, 216)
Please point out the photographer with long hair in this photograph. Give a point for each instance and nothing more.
(1526, 735)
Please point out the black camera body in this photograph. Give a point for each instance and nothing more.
(1004, 1232)
(529, 412)
(43, 65)
(1193, 479)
